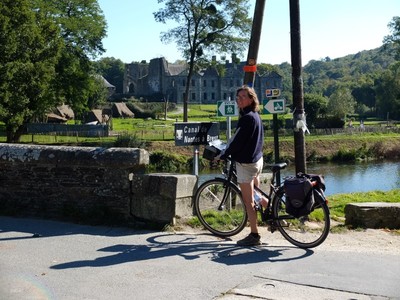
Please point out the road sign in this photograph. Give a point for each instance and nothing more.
(227, 108)
(276, 106)
(196, 133)
(273, 92)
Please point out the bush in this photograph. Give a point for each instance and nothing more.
(129, 141)
(168, 162)
(329, 122)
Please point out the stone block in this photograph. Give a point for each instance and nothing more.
(161, 197)
(373, 215)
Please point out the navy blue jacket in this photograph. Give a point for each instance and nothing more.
(247, 143)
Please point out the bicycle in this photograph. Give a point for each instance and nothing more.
(220, 209)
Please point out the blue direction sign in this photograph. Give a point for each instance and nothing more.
(227, 108)
(275, 106)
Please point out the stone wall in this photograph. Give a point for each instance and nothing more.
(89, 185)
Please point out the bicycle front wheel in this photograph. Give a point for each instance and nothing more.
(220, 207)
(306, 231)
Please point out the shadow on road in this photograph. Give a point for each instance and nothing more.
(189, 247)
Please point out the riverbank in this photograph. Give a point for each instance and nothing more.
(322, 148)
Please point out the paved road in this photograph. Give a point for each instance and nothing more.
(42, 259)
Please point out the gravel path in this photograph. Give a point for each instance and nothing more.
(363, 241)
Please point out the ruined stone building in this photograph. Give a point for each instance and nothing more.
(160, 81)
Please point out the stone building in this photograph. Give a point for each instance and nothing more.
(160, 80)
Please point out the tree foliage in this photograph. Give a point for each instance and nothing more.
(315, 106)
(388, 93)
(341, 103)
(113, 70)
(45, 52)
(205, 26)
(394, 38)
(29, 50)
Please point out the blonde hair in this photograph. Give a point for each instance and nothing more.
(255, 104)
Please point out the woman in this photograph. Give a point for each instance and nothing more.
(245, 148)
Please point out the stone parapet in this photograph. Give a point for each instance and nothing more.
(373, 215)
(86, 184)
(162, 197)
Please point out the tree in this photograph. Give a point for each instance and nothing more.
(394, 37)
(98, 93)
(314, 106)
(45, 51)
(113, 70)
(83, 27)
(205, 26)
(341, 103)
(388, 93)
(29, 50)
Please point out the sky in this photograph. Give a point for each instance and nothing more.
(329, 28)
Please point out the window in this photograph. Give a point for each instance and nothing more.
(212, 83)
(205, 96)
(193, 82)
(183, 82)
(212, 96)
(205, 82)
(193, 96)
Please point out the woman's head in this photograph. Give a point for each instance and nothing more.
(246, 96)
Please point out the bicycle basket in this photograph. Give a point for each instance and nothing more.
(210, 152)
(299, 196)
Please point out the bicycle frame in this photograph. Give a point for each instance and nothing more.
(230, 174)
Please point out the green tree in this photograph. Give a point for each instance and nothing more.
(314, 105)
(388, 93)
(341, 103)
(98, 93)
(29, 49)
(45, 51)
(205, 26)
(394, 37)
(83, 27)
(113, 70)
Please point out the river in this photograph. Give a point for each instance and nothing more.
(349, 178)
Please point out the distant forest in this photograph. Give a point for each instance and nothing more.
(369, 78)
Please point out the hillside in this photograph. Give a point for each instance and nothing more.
(360, 72)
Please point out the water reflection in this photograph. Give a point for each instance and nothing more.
(349, 178)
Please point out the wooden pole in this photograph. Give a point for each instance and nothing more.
(297, 81)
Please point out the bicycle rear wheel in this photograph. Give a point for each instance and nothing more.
(220, 207)
(307, 231)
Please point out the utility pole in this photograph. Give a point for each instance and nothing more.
(251, 67)
(299, 117)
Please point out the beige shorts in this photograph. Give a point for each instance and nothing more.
(247, 172)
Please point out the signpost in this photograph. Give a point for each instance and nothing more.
(227, 109)
(273, 105)
(196, 133)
